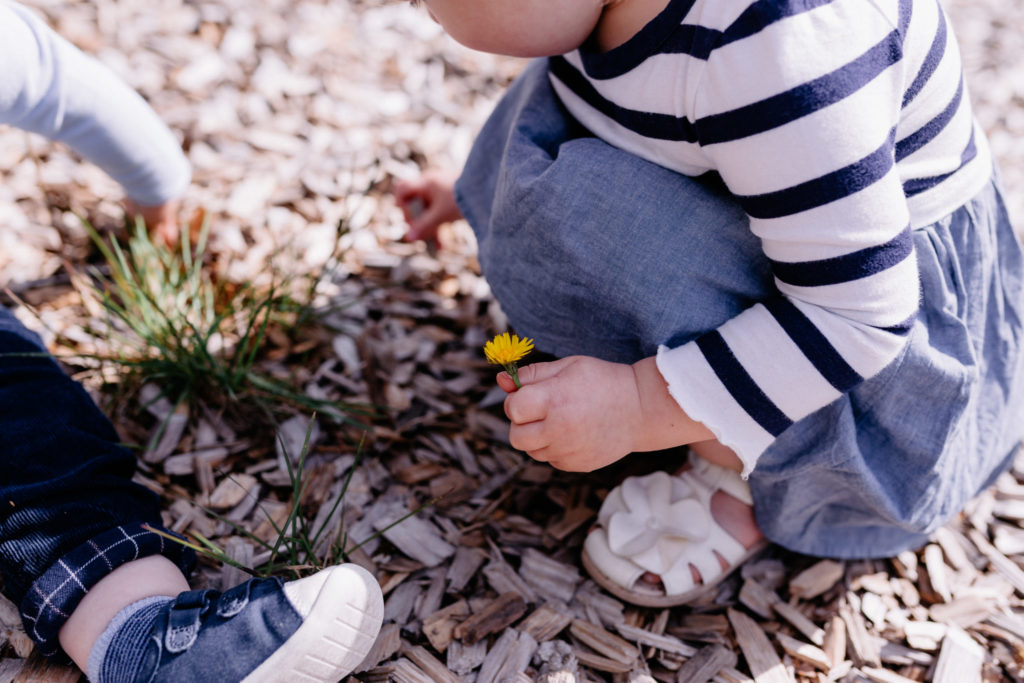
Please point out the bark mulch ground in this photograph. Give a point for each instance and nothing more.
(298, 116)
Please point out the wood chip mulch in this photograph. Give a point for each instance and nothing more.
(299, 114)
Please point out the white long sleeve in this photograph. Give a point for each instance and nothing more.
(49, 87)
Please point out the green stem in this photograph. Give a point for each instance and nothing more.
(513, 372)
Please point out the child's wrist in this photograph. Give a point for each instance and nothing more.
(664, 424)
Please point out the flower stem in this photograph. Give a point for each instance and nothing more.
(513, 372)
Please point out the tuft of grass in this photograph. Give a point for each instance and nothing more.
(170, 322)
(299, 548)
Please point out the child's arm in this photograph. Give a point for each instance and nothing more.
(49, 87)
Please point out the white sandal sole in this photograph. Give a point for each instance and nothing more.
(656, 598)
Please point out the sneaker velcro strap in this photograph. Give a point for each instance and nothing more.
(233, 601)
(183, 620)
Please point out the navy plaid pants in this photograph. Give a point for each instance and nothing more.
(69, 510)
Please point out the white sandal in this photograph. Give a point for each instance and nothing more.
(662, 523)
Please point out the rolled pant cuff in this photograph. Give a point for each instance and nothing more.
(54, 596)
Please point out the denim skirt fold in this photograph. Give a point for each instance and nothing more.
(591, 250)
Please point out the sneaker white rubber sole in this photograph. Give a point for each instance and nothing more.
(343, 610)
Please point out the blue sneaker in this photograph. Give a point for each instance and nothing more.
(315, 629)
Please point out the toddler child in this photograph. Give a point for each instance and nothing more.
(90, 580)
(769, 229)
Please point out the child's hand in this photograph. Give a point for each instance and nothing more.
(426, 203)
(578, 413)
(161, 221)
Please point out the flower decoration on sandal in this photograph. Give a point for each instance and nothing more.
(661, 524)
(506, 350)
(658, 518)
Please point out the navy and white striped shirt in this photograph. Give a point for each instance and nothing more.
(840, 126)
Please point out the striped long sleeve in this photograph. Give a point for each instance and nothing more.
(839, 126)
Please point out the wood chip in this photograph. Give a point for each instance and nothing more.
(953, 547)
(464, 567)
(462, 659)
(794, 616)
(730, 675)
(817, 579)
(504, 579)
(571, 520)
(804, 652)
(404, 671)
(662, 642)
(757, 598)
(862, 646)
(39, 670)
(938, 572)
(1002, 564)
(924, 635)
(599, 663)
(605, 643)
(439, 627)
(509, 656)
(835, 640)
(414, 536)
(10, 668)
(438, 672)
(552, 580)
(879, 675)
(706, 628)
(501, 612)
(960, 658)
(545, 622)
(388, 642)
(899, 655)
(764, 663)
(964, 612)
(705, 664)
(399, 604)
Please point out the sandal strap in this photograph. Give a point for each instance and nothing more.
(718, 478)
(704, 556)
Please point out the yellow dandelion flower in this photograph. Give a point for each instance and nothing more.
(505, 350)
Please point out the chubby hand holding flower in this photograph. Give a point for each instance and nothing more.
(505, 350)
(580, 413)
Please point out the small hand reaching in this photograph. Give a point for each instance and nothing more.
(578, 413)
(161, 221)
(427, 202)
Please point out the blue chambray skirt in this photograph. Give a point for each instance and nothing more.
(593, 251)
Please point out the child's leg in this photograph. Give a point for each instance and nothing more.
(143, 578)
(70, 511)
(87, 576)
(715, 452)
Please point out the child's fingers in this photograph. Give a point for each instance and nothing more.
(526, 405)
(406, 189)
(412, 208)
(539, 372)
(530, 438)
(166, 234)
(419, 229)
(506, 383)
